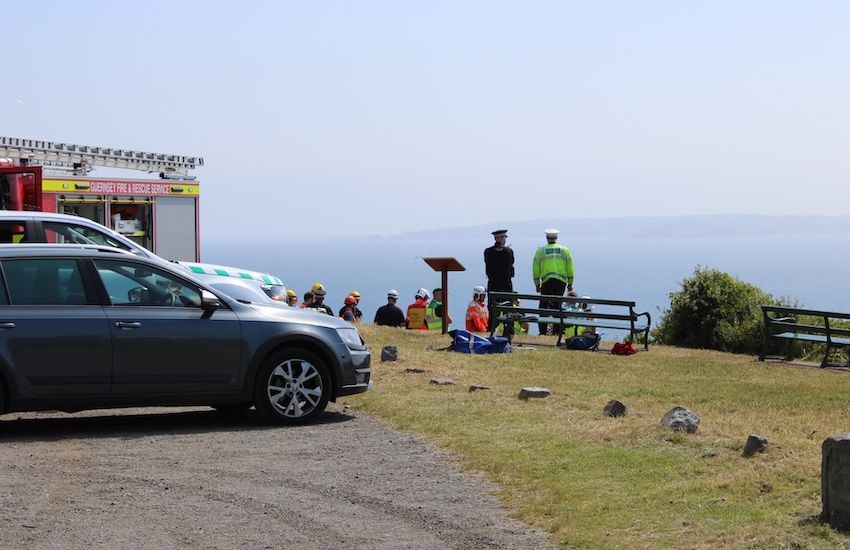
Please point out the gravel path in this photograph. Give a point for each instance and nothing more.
(139, 478)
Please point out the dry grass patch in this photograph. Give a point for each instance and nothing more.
(610, 483)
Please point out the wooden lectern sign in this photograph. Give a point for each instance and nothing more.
(444, 265)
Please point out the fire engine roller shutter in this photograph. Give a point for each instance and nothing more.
(175, 228)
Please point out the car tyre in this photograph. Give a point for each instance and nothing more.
(292, 387)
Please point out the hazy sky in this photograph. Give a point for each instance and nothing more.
(360, 117)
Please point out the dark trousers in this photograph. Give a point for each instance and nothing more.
(553, 287)
(499, 285)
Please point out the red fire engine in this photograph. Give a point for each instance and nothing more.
(160, 214)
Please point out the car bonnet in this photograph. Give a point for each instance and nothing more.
(299, 315)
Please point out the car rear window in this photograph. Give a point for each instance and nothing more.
(44, 281)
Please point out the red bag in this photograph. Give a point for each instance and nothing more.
(624, 348)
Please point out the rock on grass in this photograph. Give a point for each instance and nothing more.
(532, 392)
(755, 444)
(615, 408)
(681, 419)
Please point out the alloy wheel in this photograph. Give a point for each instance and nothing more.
(294, 388)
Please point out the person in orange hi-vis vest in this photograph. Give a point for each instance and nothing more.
(416, 311)
(476, 314)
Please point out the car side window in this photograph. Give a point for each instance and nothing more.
(61, 232)
(49, 281)
(14, 232)
(134, 284)
(4, 297)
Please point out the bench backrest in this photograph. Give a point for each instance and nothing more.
(782, 318)
(502, 302)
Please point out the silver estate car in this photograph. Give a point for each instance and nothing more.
(19, 226)
(88, 327)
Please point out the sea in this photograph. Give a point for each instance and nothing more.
(813, 270)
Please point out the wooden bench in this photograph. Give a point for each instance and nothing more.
(783, 323)
(612, 314)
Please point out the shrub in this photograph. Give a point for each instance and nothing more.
(714, 310)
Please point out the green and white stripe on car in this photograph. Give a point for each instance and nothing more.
(224, 271)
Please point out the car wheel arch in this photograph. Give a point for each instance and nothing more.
(307, 343)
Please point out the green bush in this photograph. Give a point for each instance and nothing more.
(714, 310)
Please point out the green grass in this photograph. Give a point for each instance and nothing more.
(597, 482)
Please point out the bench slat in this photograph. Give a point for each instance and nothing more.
(505, 296)
(797, 327)
(567, 322)
(807, 312)
(566, 314)
(820, 338)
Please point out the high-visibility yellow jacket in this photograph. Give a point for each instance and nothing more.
(552, 261)
(431, 318)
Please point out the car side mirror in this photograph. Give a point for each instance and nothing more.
(137, 295)
(209, 301)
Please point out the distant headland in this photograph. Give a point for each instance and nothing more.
(694, 226)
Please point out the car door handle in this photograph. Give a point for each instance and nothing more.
(7, 325)
(128, 324)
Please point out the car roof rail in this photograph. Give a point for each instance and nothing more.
(65, 246)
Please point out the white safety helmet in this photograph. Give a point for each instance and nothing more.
(423, 293)
(392, 294)
(479, 289)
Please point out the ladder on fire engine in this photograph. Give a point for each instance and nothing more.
(81, 159)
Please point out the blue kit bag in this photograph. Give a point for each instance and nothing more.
(466, 342)
(587, 342)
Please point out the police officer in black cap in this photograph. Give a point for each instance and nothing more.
(499, 265)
